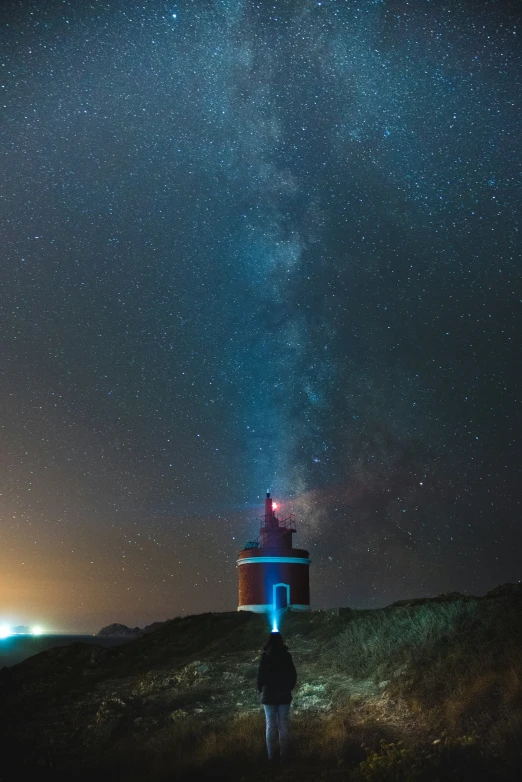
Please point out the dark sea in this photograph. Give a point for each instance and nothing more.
(16, 648)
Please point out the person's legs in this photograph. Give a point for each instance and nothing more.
(271, 731)
(283, 714)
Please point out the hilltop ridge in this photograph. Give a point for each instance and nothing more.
(441, 675)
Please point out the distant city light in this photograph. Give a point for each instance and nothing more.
(6, 631)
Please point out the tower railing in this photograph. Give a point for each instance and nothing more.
(287, 524)
(274, 528)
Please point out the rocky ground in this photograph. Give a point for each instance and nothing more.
(167, 704)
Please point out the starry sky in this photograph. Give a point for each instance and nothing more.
(251, 245)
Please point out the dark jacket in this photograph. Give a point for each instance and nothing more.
(276, 677)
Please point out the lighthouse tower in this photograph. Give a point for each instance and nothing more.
(273, 576)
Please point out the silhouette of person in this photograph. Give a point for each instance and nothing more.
(276, 679)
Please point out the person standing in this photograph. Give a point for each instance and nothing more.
(276, 678)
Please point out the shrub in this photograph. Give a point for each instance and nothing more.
(460, 659)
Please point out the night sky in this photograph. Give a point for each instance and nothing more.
(251, 245)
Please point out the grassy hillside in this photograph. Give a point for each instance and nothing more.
(421, 690)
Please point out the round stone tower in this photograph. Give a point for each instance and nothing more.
(273, 576)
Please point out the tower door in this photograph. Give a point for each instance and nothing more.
(281, 596)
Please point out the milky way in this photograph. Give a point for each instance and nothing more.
(249, 246)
